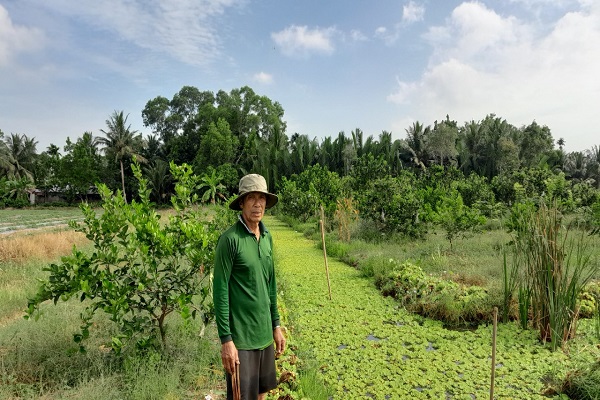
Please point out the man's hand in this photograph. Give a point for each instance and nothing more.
(279, 340)
(229, 357)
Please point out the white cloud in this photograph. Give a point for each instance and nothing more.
(413, 12)
(485, 63)
(15, 39)
(358, 36)
(301, 41)
(389, 37)
(263, 77)
(184, 29)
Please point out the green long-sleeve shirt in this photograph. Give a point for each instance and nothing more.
(244, 288)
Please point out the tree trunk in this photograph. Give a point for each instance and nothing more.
(123, 181)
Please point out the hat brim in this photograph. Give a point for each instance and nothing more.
(271, 201)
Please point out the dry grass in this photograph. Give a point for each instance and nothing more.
(22, 247)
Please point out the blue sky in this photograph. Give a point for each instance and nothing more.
(335, 65)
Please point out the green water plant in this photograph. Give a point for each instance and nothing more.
(554, 267)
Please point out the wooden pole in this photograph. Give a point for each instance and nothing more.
(322, 223)
(494, 331)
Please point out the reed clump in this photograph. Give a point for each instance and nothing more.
(551, 267)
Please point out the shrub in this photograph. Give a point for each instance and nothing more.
(141, 270)
(301, 195)
(453, 303)
(394, 204)
(455, 218)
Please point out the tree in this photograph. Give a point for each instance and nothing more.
(393, 204)
(141, 270)
(213, 185)
(80, 167)
(415, 144)
(456, 218)
(468, 141)
(159, 179)
(48, 169)
(576, 166)
(357, 141)
(18, 156)
(217, 146)
(441, 141)
(121, 142)
(536, 142)
(494, 149)
(303, 152)
(593, 165)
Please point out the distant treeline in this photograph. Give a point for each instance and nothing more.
(225, 135)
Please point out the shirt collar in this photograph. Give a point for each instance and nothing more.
(261, 226)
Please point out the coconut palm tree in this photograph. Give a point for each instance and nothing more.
(159, 179)
(415, 143)
(121, 142)
(17, 156)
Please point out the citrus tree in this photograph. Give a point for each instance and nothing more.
(141, 269)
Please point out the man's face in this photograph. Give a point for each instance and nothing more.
(253, 207)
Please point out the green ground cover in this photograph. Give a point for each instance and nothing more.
(365, 345)
(360, 343)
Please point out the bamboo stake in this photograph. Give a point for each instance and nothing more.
(494, 331)
(322, 223)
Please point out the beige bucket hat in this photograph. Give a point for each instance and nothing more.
(253, 183)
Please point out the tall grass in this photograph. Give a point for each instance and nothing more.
(555, 268)
(22, 257)
(39, 360)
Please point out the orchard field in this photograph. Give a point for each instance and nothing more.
(357, 345)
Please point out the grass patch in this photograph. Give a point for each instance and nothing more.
(38, 359)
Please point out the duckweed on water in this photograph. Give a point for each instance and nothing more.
(366, 345)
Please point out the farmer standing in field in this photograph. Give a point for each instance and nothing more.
(245, 295)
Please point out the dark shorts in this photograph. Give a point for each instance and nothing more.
(257, 373)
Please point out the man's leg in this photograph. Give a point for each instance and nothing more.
(267, 376)
(257, 374)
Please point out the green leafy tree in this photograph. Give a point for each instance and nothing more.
(365, 169)
(415, 144)
(48, 169)
(441, 142)
(212, 183)
(394, 204)
(217, 146)
(159, 180)
(303, 152)
(17, 156)
(121, 142)
(457, 219)
(80, 167)
(141, 270)
(536, 142)
(17, 191)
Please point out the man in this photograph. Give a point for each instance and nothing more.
(245, 294)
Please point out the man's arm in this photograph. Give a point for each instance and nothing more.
(222, 274)
(277, 331)
(279, 340)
